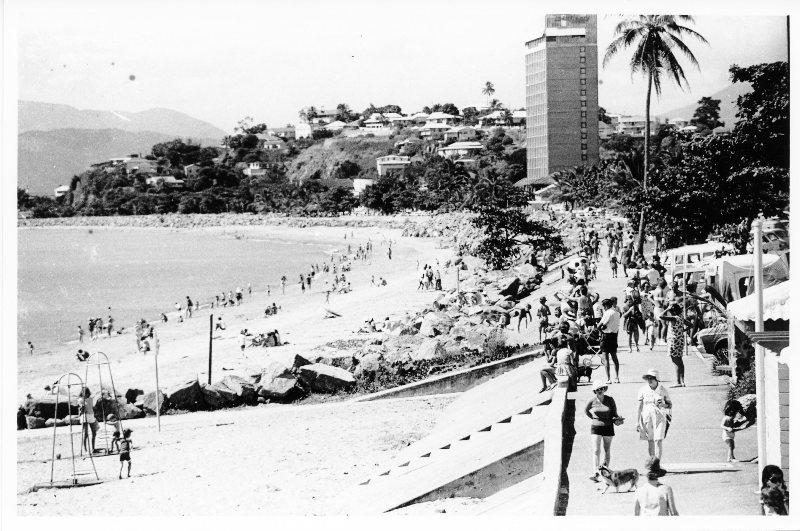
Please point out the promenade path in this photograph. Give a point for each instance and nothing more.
(707, 485)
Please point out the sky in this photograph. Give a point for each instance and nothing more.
(219, 61)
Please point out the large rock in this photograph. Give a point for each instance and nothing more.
(397, 356)
(149, 404)
(212, 397)
(186, 395)
(368, 363)
(435, 323)
(229, 398)
(277, 382)
(431, 349)
(49, 423)
(244, 390)
(322, 378)
(127, 411)
(34, 422)
(748, 403)
(45, 406)
(342, 359)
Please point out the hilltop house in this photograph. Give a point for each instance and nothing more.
(460, 149)
(61, 190)
(336, 126)
(191, 170)
(460, 133)
(419, 119)
(391, 162)
(167, 181)
(139, 165)
(255, 169)
(434, 131)
(270, 142)
(442, 118)
(286, 133)
(304, 130)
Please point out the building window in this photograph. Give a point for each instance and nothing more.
(583, 59)
(583, 136)
(583, 92)
(583, 81)
(583, 125)
(583, 114)
(583, 70)
(583, 49)
(583, 147)
(584, 156)
(583, 103)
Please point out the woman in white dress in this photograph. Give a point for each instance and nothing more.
(655, 413)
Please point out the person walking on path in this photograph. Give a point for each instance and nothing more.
(728, 426)
(632, 314)
(676, 341)
(609, 326)
(543, 313)
(655, 413)
(654, 498)
(602, 412)
(283, 284)
(80, 333)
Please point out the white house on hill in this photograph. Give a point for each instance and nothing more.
(391, 162)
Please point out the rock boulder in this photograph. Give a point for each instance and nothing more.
(34, 422)
(277, 382)
(244, 389)
(435, 323)
(429, 350)
(149, 404)
(322, 378)
(186, 395)
(212, 397)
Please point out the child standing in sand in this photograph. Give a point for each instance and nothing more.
(125, 451)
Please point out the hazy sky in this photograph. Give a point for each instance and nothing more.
(221, 60)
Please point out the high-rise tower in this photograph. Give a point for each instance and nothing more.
(561, 96)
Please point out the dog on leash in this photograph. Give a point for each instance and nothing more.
(617, 478)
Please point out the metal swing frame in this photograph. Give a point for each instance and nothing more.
(74, 482)
(94, 360)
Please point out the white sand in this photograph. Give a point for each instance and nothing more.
(184, 346)
(270, 459)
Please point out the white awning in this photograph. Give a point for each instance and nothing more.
(776, 304)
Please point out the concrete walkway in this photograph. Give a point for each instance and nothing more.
(694, 442)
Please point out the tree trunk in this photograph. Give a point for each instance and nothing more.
(640, 246)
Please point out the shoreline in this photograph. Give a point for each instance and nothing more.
(301, 323)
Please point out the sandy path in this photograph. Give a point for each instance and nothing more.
(273, 459)
(184, 346)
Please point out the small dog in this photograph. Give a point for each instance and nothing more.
(619, 477)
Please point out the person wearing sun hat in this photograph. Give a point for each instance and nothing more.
(654, 498)
(655, 413)
(602, 412)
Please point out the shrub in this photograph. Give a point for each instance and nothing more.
(745, 385)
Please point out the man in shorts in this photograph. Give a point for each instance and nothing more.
(609, 325)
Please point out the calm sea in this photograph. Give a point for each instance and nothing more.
(67, 275)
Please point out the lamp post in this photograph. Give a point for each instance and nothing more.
(761, 422)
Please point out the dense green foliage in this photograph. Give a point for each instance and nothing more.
(706, 116)
(702, 185)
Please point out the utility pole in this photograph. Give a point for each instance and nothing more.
(158, 397)
(210, 336)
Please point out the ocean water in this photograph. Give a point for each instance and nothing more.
(67, 275)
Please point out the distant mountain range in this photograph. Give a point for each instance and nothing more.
(727, 104)
(58, 141)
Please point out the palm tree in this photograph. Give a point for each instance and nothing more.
(654, 39)
(488, 91)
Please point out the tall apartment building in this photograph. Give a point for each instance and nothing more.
(561, 96)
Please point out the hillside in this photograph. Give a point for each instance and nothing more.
(48, 159)
(727, 105)
(38, 116)
(323, 159)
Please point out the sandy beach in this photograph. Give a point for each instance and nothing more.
(301, 321)
(272, 459)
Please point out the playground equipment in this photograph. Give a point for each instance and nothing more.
(103, 440)
(76, 472)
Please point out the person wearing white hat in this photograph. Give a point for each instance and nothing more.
(655, 413)
(602, 412)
